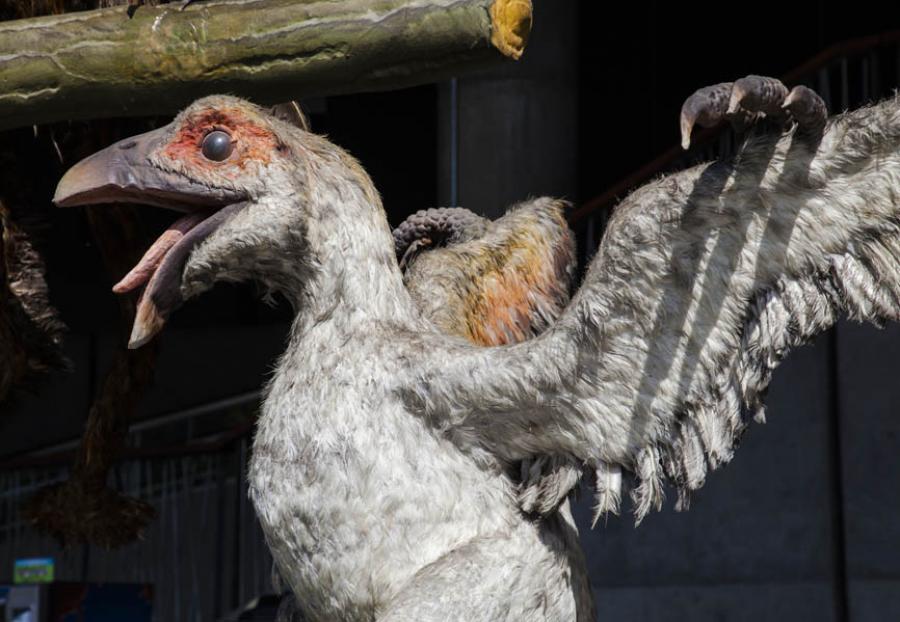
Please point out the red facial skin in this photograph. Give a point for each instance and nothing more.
(252, 142)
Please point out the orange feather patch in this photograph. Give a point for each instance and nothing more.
(504, 286)
(525, 272)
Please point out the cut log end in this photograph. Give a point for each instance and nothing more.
(511, 25)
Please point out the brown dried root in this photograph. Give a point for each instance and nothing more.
(74, 512)
(84, 509)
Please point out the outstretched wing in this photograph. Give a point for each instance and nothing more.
(703, 282)
(504, 284)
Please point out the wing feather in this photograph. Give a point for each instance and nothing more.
(506, 284)
(703, 282)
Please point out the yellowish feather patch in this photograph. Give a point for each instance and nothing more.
(505, 286)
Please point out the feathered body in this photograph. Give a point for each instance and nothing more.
(380, 499)
(385, 469)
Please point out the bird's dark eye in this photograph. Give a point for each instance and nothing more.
(217, 146)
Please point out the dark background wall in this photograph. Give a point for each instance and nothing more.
(804, 525)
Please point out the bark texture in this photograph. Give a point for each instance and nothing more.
(101, 63)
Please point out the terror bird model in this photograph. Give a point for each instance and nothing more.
(386, 468)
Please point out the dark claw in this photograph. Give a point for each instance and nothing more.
(755, 94)
(807, 108)
(707, 107)
(749, 99)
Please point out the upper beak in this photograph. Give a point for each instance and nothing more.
(124, 173)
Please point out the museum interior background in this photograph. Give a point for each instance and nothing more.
(803, 525)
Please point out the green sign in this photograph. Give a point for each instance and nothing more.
(34, 570)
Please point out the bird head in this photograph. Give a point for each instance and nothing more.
(238, 174)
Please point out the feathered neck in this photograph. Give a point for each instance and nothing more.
(353, 275)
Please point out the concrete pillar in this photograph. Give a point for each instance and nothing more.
(869, 396)
(515, 126)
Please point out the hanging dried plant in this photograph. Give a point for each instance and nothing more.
(84, 509)
(30, 329)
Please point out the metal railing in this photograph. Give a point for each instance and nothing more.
(204, 552)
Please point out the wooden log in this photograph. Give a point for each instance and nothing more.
(100, 63)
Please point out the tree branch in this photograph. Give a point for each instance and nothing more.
(100, 63)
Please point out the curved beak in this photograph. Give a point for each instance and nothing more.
(124, 173)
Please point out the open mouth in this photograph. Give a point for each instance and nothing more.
(159, 271)
(146, 269)
(121, 173)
